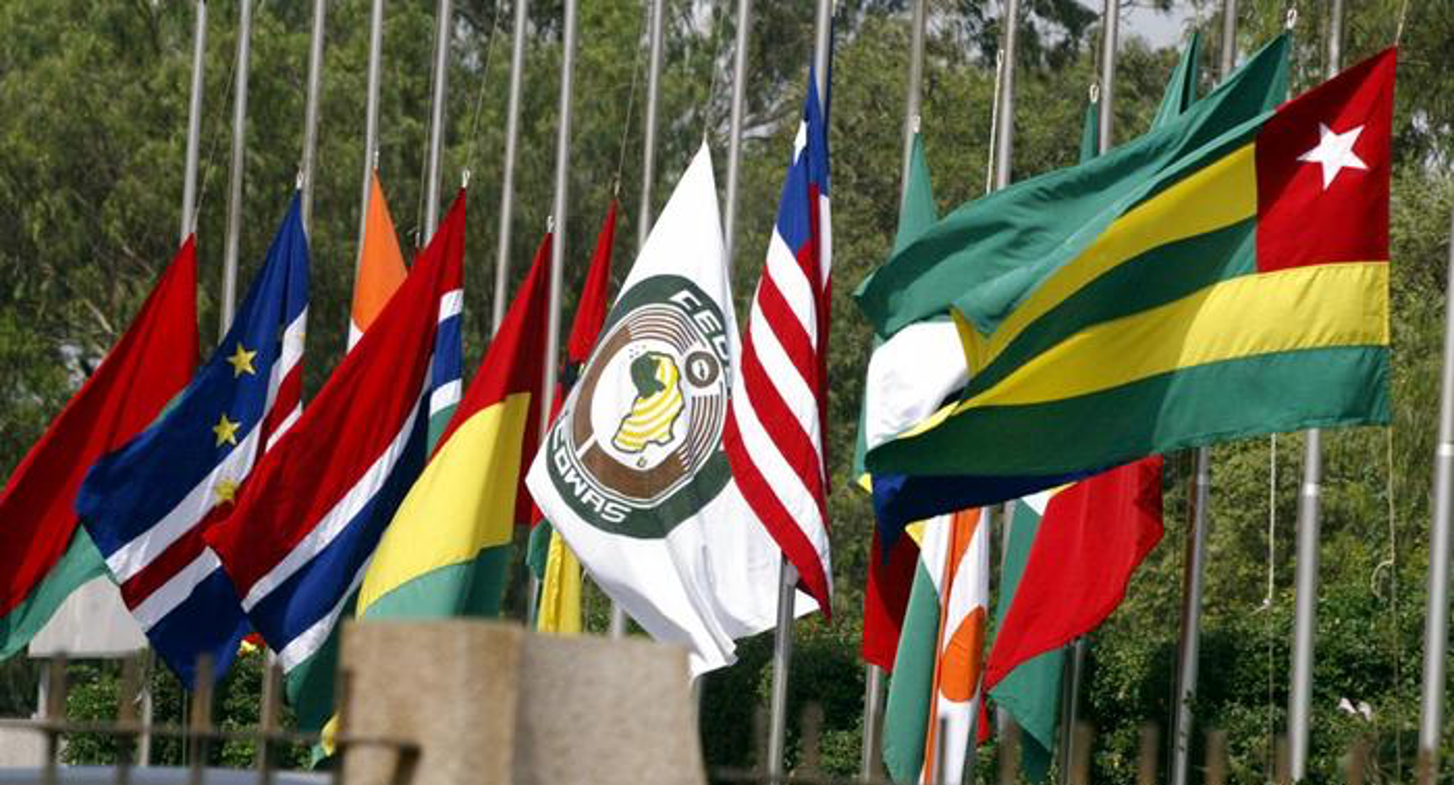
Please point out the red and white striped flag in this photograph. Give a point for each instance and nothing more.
(775, 426)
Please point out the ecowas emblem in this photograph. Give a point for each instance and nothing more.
(641, 450)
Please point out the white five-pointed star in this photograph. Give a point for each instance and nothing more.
(1334, 152)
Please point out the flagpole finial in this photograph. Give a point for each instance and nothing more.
(1095, 91)
(918, 120)
(1291, 17)
(549, 224)
(298, 181)
(376, 160)
(616, 187)
(464, 178)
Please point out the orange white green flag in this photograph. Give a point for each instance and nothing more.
(934, 693)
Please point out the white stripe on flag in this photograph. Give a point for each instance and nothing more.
(451, 304)
(444, 396)
(176, 590)
(309, 641)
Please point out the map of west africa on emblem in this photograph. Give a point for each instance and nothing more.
(640, 448)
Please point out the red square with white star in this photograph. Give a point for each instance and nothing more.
(1323, 171)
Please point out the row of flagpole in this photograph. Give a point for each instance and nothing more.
(1308, 521)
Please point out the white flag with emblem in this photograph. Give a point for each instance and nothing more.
(633, 473)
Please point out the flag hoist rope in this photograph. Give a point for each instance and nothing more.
(1300, 694)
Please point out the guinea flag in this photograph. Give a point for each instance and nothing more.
(44, 555)
(1240, 289)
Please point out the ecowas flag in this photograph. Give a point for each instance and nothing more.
(633, 473)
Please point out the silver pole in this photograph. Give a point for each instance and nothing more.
(734, 142)
(239, 153)
(648, 138)
(507, 177)
(1005, 134)
(562, 183)
(1229, 37)
(782, 650)
(445, 19)
(648, 177)
(1305, 623)
(1070, 701)
(1436, 625)
(1194, 565)
(310, 113)
(1110, 22)
(194, 121)
(873, 681)
(371, 120)
(1189, 648)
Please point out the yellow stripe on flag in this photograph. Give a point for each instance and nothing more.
(463, 502)
(560, 592)
(1315, 307)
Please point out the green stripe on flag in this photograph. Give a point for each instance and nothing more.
(80, 563)
(911, 685)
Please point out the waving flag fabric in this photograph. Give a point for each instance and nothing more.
(149, 505)
(44, 553)
(1245, 291)
(431, 562)
(936, 677)
(553, 562)
(633, 474)
(304, 529)
(775, 422)
(381, 269)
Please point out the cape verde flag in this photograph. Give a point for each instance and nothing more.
(148, 504)
(305, 528)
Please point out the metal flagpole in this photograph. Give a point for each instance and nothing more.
(1436, 625)
(782, 650)
(873, 681)
(310, 114)
(507, 178)
(559, 211)
(1005, 133)
(194, 121)
(1075, 663)
(371, 120)
(445, 19)
(239, 152)
(734, 142)
(1300, 696)
(1194, 564)
(648, 177)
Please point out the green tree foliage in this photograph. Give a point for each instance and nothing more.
(93, 103)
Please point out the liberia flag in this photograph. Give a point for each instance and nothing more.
(44, 553)
(305, 528)
(149, 505)
(775, 422)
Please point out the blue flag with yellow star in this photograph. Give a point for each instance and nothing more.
(148, 504)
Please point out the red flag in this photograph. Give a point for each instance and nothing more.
(1092, 537)
(151, 363)
(885, 598)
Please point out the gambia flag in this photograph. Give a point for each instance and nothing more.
(934, 694)
(443, 555)
(1241, 287)
(44, 554)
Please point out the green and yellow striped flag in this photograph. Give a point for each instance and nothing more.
(1237, 286)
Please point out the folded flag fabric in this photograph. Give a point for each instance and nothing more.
(1247, 294)
(44, 553)
(381, 269)
(149, 505)
(431, 562)
(934, 694)
(633, 474)
(552, 561)
(909, 393)
(305, 527)
(776, 415)
(1091, 538)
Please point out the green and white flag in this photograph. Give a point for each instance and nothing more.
(633, 474)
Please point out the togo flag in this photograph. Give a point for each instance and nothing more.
(1243, 289)
(633, 474)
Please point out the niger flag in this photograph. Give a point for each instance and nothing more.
(440, 555)
(1243, 290)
